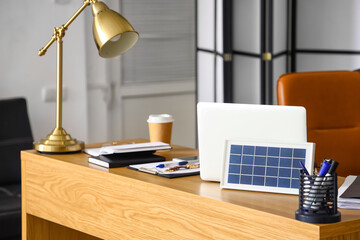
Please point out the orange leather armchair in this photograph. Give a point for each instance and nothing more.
(332, 102)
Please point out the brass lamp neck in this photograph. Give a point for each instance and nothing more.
(59, 32)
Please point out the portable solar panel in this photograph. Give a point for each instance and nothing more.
(268, 167)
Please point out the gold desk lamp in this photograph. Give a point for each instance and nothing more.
(113, 35)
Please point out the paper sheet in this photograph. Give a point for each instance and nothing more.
(126, 148)
(151, 168)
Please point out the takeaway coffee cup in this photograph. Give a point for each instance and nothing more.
(160, 126)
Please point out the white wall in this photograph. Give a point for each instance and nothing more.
(328, 25)
(26, 26)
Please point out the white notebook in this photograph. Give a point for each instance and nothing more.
(127, 148)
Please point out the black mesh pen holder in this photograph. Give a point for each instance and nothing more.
(318, 199)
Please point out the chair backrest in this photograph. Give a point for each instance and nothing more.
(332, 102)
(15, 135)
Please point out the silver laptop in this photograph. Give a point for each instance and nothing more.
(218, 122)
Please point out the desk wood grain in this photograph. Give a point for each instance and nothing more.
(64, 194)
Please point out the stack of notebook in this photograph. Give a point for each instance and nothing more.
(125, 155)
(349, 193)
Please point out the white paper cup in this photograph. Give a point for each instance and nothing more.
(160, 126)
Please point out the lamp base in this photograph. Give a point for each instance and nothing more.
(59, 142)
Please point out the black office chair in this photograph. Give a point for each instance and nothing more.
(15, 135)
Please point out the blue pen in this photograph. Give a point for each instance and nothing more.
(163, 165)
(303, 167)
(306, 171)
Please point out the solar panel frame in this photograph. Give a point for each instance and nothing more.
(265, 166)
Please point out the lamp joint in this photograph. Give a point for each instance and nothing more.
(59, 32)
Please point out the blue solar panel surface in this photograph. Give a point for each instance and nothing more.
(265, 166)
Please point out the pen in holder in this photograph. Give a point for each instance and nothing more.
(318, 199)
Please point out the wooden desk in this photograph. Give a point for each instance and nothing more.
(65, 198)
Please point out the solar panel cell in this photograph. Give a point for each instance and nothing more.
(271, 171)
(285, 172)
(234, 178)
(295, 183)
(246, 169)
(284, 182)
(259, 170)
(272, 161)
(295, 173)
(236, 159)
(259, 181)
(260, 151)
(236, 149)
(234, 168)
(273, 151)
(248, 159)
(286, 152)
(246, 179)
(285, 162)
(271, 182)
(299, 153)
(260, 161)
(249, 150)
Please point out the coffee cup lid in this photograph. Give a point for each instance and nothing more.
(160, 118)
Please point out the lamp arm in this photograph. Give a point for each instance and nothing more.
(60, 32)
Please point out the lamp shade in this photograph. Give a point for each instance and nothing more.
(113, 34)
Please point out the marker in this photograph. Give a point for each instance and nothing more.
(333, 167)
(325, 166)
